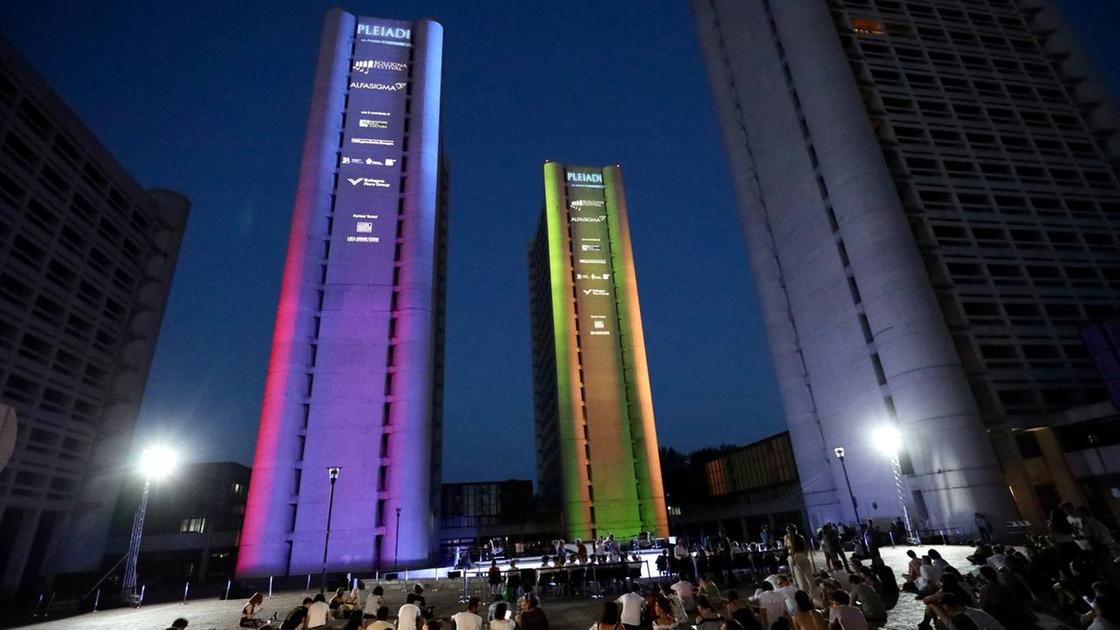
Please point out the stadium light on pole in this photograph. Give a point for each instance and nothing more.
(156, 463)
(888, 439)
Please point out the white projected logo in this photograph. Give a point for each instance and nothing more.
(377, 141)
(385, 87)
(365, 65)
(369, 161)
(591, 247)
(596, 292)
(366, 123)
(365, 227)
(367, 181)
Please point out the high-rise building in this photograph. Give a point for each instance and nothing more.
(930, 198)
(597, 454)
(356, 374)
(86, 259)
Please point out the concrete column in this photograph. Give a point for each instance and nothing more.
(1067, 486)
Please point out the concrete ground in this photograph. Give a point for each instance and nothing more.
(563, 614)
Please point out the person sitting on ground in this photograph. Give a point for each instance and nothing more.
(381, 620)
(913, 572)
(296, 619)
(1001, 602)
(500, 617)
(844, 616)
(888, 583)
(869, 602)
(709, 589)
(676, 602)
(250, 610)
(353, 620)
(433, 624)
(318, 612)
(663, 618)
(806, 617)
(422, 603)
(741, 612)
(708, 618)
(1106, 613)
(772, 602)
(178, 624)
(336, 601)
(409, 614)
(374, 602)
(954, 615)
(469, 618)
(684, 589)
(610, 619)
(929, 578)
(532, 617)
(632, 604)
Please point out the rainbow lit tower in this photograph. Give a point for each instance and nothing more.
(596, 441)
(355, 378)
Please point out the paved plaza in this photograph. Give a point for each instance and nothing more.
(564, 614)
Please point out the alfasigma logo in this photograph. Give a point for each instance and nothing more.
(365, 65)
(598, 219)
(392, 32)
(585, 178)
(387, 87)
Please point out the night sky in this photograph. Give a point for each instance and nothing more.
(211, 99)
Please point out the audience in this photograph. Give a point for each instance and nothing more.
(842, 615)
(469, 618)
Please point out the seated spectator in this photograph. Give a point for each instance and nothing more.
(869, 602)
(953, 614)
(381, 619)
(532, 617)
(888, 583)
(336, 601)
(318, 612)
(500, 617)
(409, 614)
(610, 619)
(773, 601)
(806, 617)
(178, 624)
(999, 601)
(353, 620)
(469, 618)
(250, 611)
(1106, 613)
(296, 619)
(929, 578)
(676, 602)
(708, 618)
(741, 612)
(663, 618)
(842, 615)
(709, 589)
(684, 589)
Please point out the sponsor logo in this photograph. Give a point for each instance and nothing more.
(364, 227)
(368, 161)
(366, 112)
(386, 87)
(363, 239)
(368, 182)
(365, 216)
(596, 292)
(593, 276)
(590, 247)
(366, 123)
(598, 323)
(365, 65)
(392, 32)
(377, 141)
(586, 203)
(598, 219)
(585, 178)
(593, 261)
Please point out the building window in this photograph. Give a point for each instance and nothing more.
(193, 525)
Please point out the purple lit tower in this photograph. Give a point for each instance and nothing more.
(356, 374)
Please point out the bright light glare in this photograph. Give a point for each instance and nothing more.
(887, 439)
(157, 462)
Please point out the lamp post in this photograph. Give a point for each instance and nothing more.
(156, 462)
(397, 540)
(889, 440)
(839, 450)
(332, 474)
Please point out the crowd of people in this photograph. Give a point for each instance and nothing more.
(1069, 573)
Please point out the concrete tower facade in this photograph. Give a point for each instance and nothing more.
(930, 200)
(86, 261)
(597, 457)
(356, 374)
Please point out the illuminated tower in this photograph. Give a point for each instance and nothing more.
(596, 441)
(355, 377)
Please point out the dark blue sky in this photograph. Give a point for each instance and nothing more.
(210, 98)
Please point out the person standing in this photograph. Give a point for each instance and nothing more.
(494, 577)
(764, 536)
(983, 528)
(799, 559)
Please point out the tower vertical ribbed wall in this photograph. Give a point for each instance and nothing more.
(596, 440)
(931, 205)
(355, 377)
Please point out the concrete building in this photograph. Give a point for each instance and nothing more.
(735, 490)
(597, 457)
(192, 526)
(356, 374)
(86, 259)
(929, 193)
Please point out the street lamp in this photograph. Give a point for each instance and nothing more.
(839, 450)
(889, 441)
(332, 473)
(397, 540)
(156, 462)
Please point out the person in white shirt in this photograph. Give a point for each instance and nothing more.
(773, 600)
(844, 615)
(632, 604)
(684, 590)
(469, 618)
(382, 620)
(950, 608)
(500, 617)
(929, 576)
(675, 603)
(318, 612)
(408, 614)
(374, 602)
